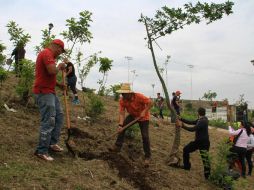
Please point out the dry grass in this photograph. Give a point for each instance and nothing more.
(19, 169)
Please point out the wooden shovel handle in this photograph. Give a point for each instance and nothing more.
(125, 127)
(66, 103)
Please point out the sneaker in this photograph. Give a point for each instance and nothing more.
(45, 157)
(56, 148)
(114, 148)
(76, 102)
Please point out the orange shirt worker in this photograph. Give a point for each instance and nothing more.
(137, 106)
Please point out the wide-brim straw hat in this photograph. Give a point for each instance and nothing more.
(125, 88)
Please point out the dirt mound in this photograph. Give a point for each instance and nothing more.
(77, 133)
(138, 176)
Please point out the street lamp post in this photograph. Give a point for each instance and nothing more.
(153, 90)
(166, 68)
(252, 62)
(128, 61)
(191, 67)
(50, 27)
(133, 77)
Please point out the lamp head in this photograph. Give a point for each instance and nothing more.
(50, 26)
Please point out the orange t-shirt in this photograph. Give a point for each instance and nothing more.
(135, 106)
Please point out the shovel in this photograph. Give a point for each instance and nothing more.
(123, 128)
(68, 142)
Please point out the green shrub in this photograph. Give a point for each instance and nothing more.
(220, 166)
(24, 86)
(218, 123)
(102, 90)
(114, 88)
(189, 106)
(3, 75)
(132, 131)
(95, 106)
(2, 56)
(155, 110)
(251, 115)
(88, 90)
(220, 174)
(192, 116)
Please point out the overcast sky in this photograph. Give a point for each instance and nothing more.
(220, 52)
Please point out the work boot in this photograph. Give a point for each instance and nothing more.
(114, 148)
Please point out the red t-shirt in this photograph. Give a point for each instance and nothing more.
(136, 106)
(44, 82)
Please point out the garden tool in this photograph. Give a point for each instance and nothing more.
(124, 128)
(68, 142)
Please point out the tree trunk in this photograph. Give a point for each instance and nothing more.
(173, 156)
(101, 85)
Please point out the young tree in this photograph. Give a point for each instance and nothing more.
(2, 56)
(78, 30)
(25, 84)
(209, 95)
(3, 73)
(17, 34)
(113, 89)
(84, 69)
(46, 39)
(168, 20)
(105, 66)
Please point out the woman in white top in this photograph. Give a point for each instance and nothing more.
(240, 147)
(250, 147)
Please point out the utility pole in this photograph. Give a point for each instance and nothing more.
(191, 67)
(50, 27)
(128, 61)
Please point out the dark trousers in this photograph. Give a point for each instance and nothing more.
(203, 148)
(249, 161)
(241, 152)
(144, 132)
(72, 83)
(161, 114)
(177, 110)
(18, 67)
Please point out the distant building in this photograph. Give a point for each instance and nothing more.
(217, 109)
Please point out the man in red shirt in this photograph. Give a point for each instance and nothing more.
(46, 99)
(137, 105)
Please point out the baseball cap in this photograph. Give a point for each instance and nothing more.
(178, 92)
(60, 43)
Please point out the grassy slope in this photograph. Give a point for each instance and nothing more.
(19, 169)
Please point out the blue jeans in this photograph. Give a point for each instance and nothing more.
(51, 121)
